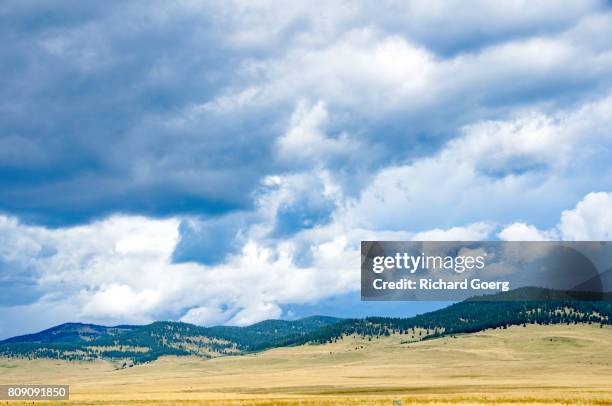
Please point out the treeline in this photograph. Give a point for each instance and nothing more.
(271, 333)
(470, 317)
(139, 344)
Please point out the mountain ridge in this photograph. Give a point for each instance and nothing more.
(130, 344)
(142, 343)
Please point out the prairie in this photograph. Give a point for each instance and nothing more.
(533, 365)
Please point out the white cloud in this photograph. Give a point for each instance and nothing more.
(305, 140)
(364, 68)
(472, 232)
(525, 232)
(206, 315)
(120, 270)
(590, 220)
(120, 301)
(98, 273)
(253, 314)
(495, 171)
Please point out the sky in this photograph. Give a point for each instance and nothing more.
(220, 162)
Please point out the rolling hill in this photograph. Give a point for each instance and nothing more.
(533, 365)
(138, 344)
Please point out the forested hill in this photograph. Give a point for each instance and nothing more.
(472, 316)
(136, 344)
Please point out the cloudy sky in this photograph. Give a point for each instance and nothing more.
(219, 162)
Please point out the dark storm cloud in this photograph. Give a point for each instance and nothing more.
(89, 95)
(161, 108)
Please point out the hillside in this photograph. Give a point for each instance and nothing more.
(137, 344)
(472, 316)
(534, 365)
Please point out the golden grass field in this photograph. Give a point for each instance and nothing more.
(521, 365)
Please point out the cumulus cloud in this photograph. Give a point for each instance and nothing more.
(306, 141)
(526, 232)
(590, 220)
(120, 270)
(166, 109)
(533, 165)
(472, 232)
(203, 315)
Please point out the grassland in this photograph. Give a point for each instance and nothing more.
(520, 365)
